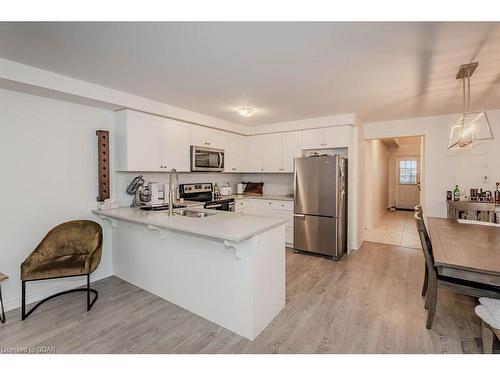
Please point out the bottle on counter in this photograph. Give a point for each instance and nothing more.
(497, 193)
(456, 193)
(216, 191)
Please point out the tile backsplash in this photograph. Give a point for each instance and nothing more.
(274, 183)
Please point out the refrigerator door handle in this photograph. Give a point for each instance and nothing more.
(299, 215)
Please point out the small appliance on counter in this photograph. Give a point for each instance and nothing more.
(204, 192)
(225, 191)
(240, 189)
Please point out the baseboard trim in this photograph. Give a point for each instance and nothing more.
(15, 303)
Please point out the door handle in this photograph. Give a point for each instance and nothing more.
(220, 159)
(299, 215)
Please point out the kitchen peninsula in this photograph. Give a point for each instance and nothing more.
(224, 266)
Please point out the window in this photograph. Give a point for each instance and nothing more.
(407, 172)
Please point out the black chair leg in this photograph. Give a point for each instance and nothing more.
(2, 316)
(426, 281)
(23, 302)
(87, 289)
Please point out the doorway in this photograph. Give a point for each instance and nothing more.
(393, 172)
(407, 182)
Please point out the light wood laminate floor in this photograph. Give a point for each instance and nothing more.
(369, 302)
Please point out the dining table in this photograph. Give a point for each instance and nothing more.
(465, 250)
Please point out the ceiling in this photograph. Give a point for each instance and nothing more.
(287, 71)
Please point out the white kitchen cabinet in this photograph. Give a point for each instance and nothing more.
(235, 153)
(138, 138)
(332, 137)
(175, 145)
(254, 154)
(291, 147)
(243, 205)
(273, 153)
(150, 143)
(261, 207)
(336, 136)
(207, 137)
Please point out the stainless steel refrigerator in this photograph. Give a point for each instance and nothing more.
(320, 213)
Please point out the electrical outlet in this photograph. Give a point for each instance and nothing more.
(485, 179)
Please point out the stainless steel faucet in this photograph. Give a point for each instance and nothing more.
(171, 190)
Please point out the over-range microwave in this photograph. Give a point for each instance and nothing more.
(206, 159)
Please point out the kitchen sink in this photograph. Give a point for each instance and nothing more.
(191, 213)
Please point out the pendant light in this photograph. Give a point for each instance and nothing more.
(472, 128)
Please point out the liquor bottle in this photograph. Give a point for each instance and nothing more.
(456, 193)
(497, 193)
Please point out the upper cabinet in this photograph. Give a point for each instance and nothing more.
(147, 143)
(236, 147)
(291, 147)
(332, 137)
(176, 145)
(207, 137)
(273, 152)
(150, 143)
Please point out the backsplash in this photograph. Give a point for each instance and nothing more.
(274, 183)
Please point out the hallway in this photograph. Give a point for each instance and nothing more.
(395, 228)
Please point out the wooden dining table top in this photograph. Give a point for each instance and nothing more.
(470, 247)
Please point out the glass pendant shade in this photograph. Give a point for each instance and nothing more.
(470, 130)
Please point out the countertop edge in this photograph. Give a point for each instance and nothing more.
(108, 214)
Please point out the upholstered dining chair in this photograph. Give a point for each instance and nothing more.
(436, 281)
(70, 249)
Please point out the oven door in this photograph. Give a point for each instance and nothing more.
(205, 159)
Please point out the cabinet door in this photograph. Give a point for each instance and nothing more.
(336, 136)
(254, 154)
(261, 207)
(313, 138)
(235, 153)
(291, 147)
(175, 145)
(144, 142)
(207, 137)
(271, 152)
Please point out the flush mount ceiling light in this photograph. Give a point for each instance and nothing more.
(472, 128)
(246, 111)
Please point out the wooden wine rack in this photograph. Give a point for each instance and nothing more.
(103, 164)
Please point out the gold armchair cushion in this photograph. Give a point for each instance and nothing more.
(72, 248)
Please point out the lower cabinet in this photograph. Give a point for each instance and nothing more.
(276, 208)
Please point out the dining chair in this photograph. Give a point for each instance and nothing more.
(70, 249)
(418, 209)
(436, 281)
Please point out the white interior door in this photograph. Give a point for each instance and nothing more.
(407, 190)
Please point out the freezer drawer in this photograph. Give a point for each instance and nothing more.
(317, 234)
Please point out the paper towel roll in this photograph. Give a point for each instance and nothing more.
(153, 191)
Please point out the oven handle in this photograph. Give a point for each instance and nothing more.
(211, 206)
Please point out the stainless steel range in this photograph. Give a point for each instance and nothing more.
(204, 192)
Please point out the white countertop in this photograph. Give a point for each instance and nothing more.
(232, 226)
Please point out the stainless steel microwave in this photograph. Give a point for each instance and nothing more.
(206, 159)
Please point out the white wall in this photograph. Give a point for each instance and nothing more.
(48, 164)
(443, 168)
(376, 192)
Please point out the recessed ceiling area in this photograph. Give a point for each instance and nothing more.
(286, 71)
